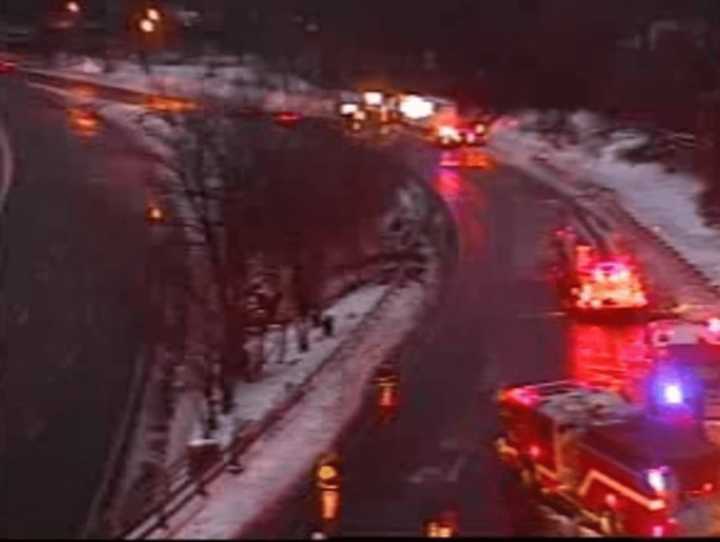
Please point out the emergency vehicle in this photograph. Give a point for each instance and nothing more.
(474, 133)
(692, 348)
(446, 136)
(608, 464)
(608, 285)
(591, 282)
(664, 333)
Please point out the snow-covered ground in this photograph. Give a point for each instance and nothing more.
(254, 401)
(315, 422)
(663, 202)
(246, 82)
(282, 456)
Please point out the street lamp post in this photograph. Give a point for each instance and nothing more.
(150, 27)
(147, 28)
(71, 22)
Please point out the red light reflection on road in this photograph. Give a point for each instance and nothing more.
(478, 160)
(448, 184)
(618, 358)
(467, 202)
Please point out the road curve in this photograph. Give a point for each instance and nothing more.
(496, 324)
(74, 311)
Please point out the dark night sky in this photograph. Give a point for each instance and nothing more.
(516, 42)
(463, 27)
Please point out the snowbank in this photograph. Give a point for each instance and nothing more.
(662, 201)
(249, 85)
(274, 463)
(254, 401)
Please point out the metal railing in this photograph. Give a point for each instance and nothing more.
(180, 486)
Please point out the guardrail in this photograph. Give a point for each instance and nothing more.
(181, 486)
(240, 104)
(611, 201)
(594, 197)
(594, 224)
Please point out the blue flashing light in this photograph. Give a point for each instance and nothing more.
(656, 479)
(672, 394)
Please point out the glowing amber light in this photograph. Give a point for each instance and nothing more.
(326, 472)
(330, 505)
(155, 213)
(437, 530)
(387, 397)
(147, 26)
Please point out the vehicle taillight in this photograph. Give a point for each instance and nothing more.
(287, 117)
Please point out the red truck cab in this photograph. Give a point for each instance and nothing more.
(605, 459)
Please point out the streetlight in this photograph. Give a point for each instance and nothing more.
(147, 26)
(153, 14)
(154, 214)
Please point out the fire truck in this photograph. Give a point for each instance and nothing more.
(692, 347)
(592, 282)
(676, 332)
(608, 285)
(608, 464)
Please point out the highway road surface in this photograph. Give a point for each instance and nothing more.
(74, 309)
(497, 323)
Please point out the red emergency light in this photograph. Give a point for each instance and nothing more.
(522, 396)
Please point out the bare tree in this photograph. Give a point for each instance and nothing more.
(269, 219)
(197, 184)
